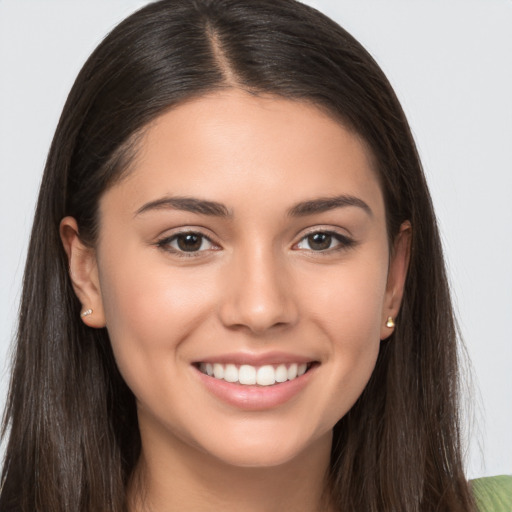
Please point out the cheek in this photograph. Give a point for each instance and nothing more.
(357, 313)
(348, 302)
(348, 310)
(150, 309)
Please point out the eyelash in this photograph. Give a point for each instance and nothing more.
(343, 243)
(165, 244)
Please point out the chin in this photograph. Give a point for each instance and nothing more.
(262, 458)
(267, 451)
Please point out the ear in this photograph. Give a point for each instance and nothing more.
(397, 273)
(83, 271)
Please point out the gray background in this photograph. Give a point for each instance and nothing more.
(450, 63)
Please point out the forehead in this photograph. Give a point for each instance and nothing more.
(230, 145)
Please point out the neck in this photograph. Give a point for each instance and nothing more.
(180, 477)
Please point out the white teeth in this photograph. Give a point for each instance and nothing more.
(246, 374)
(281, 373)
(265, 376)
(292, 371)
(218, 371)
(231, 373)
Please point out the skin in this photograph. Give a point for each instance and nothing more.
(260, 285)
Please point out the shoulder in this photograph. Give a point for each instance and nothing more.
(493, 494)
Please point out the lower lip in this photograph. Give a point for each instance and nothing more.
(255, 398)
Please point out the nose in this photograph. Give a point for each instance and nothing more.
(258, 293)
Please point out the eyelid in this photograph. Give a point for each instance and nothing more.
(164, 241)
(345, 241)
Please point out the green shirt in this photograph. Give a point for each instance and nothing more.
(493, 494)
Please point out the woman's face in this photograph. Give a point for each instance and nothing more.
(249, 240)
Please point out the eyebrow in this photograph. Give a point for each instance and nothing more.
(324, 204)
(212, 208)
(188, 204)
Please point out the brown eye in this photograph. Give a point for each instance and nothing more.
(324, 241)
(319, 241)
(189, 242)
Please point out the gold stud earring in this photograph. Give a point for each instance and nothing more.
(87, 312)
(390, 323)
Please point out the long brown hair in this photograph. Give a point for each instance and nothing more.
(71, 420)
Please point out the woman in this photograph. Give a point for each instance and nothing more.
(235, 296)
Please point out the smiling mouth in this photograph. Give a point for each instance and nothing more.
(248, 375)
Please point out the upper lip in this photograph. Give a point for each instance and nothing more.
(267, 358)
